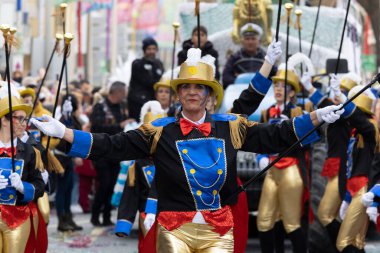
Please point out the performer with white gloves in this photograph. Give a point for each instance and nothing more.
(21, 186)
(195, 157)
(347, 166)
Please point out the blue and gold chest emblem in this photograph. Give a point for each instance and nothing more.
(350, 149)
(204, 163)
(8, 194)
(149, 172)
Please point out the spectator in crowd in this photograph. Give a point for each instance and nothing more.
(108, 116)
(206, 46)
(70, 117)
(145, 73)
(249, 58)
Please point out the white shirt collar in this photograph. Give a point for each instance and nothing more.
(8, 145)
(201, 121)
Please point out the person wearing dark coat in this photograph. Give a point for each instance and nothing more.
(206, 46)
(145, 73)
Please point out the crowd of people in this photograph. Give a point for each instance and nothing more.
(183, 177)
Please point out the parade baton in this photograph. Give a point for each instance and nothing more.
(197, 13)
(342, 38)
(68, 37)
(6, 34)
(298, 26)
(244, 186)
(288, 7)
(278, 18)
(63, 7)
(315, 28)
(58, 38)
(176, 25)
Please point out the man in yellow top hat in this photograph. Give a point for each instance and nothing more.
(22, 186)
(195, 157)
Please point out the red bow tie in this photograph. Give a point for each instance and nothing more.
(187, 127)
(7, 151)
(275, 112)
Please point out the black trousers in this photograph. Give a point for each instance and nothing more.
(107, 172)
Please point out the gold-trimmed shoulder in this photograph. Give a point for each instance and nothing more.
(238, 130)
(152, 133)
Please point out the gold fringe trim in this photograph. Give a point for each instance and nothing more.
(361, 139)
(264, 116)
(151, 131)
(297, 111)
(309, 107)
(238, 130)
(131, 176)
(53, 164)
(39, 164)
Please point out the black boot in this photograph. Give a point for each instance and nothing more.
(95, 221)
(72, 223)
(63, 224)
(298, 241)
(267, 241)
(333, 230)
(107, 221)
(352, 249)
(279, 235)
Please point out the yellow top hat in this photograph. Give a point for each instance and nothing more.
(162, 83)
(27, 92)
(200, 73)
(293, 79)
(347, 84)
(17, 105)
(364, 103)
(151, 111)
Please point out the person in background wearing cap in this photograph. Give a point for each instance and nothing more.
(22, 186)
(249, 58)
(144, 74)
(195, 157)
(352, 142)
(30, 82)
(139, 182)
(206, 46)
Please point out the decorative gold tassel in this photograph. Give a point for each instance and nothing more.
(238, 130)
(53, 164)
(264, 116)
(131, 175)
(151, 131)
(309, 107)
(39, 164)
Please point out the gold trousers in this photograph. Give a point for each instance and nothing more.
(44, 207)
(281, 196)
(328, 208)
(355, 224)
(193, 238)
(14, 240)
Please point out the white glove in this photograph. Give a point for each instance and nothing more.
(372, 213)
(264, 161)
(67, 108)
(16, 182)
(343, 209)
(335, 86)
(306, 81)
(3, 182)
(49, 126)
(274, 52)
(45, 176)
(367, 198)
(149, 221)
(328, 115)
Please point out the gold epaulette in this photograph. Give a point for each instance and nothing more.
(53, 163)
(309, 107)
(238, 130)
(131, 175)
(152, 133)
(296, 111)
(39, 164)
